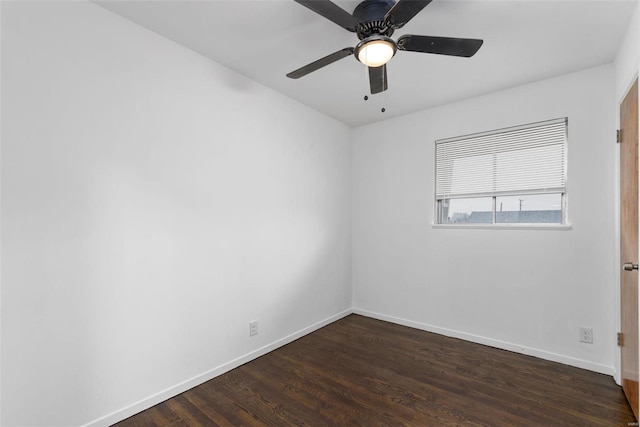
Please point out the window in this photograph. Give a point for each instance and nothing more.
(508, 176)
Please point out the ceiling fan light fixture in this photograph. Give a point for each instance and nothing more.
(375, 51)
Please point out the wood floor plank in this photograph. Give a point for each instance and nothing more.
(207, 409)
(364, 372)
(293, 392)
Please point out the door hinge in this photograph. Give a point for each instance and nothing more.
(620, 339)
(618, 136)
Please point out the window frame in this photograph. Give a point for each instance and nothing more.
(563, 225)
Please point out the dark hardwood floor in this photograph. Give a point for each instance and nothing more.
(364, 372)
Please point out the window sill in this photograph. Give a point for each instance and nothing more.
(557, 227)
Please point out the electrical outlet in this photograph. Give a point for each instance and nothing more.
(586, 335)
(253, 328)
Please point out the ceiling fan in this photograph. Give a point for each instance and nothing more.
(374, 21)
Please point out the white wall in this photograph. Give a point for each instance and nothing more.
(628, 57)
(524, 290)
(153, 203)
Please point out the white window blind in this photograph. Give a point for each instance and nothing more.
(528, 159)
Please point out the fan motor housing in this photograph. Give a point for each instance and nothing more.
(370, 15)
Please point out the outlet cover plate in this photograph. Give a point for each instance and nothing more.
(586, 335)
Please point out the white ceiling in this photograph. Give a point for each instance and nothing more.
(524, 41)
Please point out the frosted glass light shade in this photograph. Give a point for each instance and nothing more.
(375, 52)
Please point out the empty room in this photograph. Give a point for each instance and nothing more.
(319, 213)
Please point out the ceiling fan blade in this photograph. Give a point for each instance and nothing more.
(440, 45)
(322, 62)
(403, 11)
(332, 12)
(378, 79)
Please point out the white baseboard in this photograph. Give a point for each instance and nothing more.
(516, 348)
(172, 391)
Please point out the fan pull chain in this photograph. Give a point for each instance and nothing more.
(384, 94)
(366, 83)
(368, 88)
